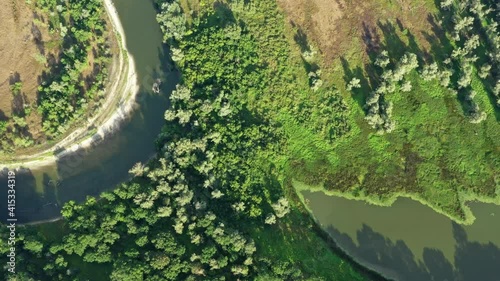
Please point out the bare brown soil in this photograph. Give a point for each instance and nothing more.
(340, 27)
(20, 41)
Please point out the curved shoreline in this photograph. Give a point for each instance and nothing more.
(387, 202)
(352, 229)
(123, 90)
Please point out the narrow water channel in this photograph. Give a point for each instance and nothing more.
(409, 241)
(41, 192)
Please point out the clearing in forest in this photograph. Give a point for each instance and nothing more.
(421, 93)
(53, 68)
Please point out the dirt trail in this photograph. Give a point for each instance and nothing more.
(117, 107)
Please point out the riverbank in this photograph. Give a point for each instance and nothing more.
(115, 109)
(408, 240)
(468, 219)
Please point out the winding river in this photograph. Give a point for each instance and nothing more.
(407, 241)
(41, 191)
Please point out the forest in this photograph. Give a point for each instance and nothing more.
(258, 107)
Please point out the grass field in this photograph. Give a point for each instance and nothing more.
(435, 155)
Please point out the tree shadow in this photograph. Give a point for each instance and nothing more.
(31, 200)
(440, 44)
(467, 105)
(37, 38)
(394, 259)
(300, 37)
(400, 25)
(414, 48)
(19, 100)
(18, 104)
(371, 39)
(388, 39)
(14, 78)
(393, 44)
(442, 48)
(359, 95)
(473, 259)
(3, 117)
(53, 70)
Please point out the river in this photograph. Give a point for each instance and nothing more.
(409, 241)
(41, 192)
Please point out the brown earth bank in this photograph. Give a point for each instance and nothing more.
(338, 28)
(29, 55)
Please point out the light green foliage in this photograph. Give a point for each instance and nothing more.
(172, 21)
(379, 109)
(430, 71)
(281, 208)
(3, 127)
(192, 213)
(354, 83)
(485, 71)
(19, 121)
(446, 130)
(406, 87)
(270, 219)
(474, 22)
(16, 88)
(41, 59)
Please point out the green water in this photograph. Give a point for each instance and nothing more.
(409, 241)
(41, 192)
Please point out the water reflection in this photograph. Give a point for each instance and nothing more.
(473, 261)
(409, 241)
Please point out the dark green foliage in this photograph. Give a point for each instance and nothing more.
(190, 213)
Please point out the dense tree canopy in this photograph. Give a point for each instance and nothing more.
(189, 214)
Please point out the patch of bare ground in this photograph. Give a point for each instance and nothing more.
(342, 27)
(23, 46)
